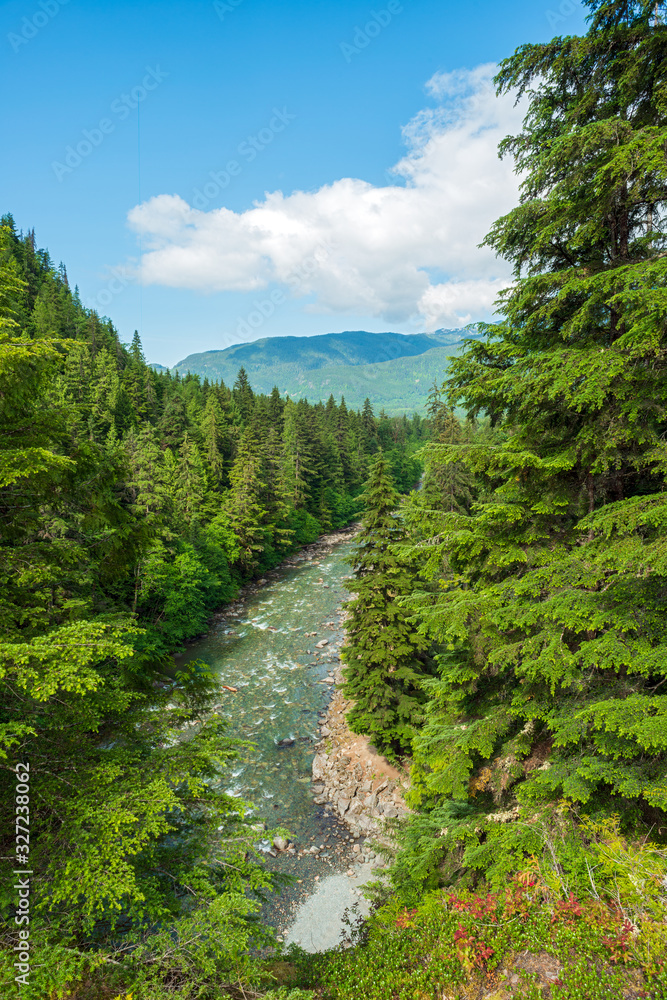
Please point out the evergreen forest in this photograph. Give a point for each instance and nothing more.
(506, 639)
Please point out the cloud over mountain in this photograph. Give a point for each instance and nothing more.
(403, 252)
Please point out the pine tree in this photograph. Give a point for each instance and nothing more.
(276, 408)
(351, 471)
(136, 350)
(448, 485)
(369, 428)
(559, 616)
(174, 422)
(244, 502)
(147, 479)
(188, 486)
(382, 648)
(244, 396)
(216, 441)
(298, 456)
(105, 389)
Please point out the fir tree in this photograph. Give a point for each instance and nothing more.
(215, 440)
(136, 350)
(369, 428)
(383, 671)
(244, 502)
(554, 687)
(189, 481)
(243, 395)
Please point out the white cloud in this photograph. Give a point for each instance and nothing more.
(403, 252)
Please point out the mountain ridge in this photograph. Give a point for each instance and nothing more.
(395, 370)
(349, 347)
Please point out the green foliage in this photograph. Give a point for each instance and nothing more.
(544, 577)
(459, 944)
(394, 369)
(132, 504)
(382, 649)
(286, 993)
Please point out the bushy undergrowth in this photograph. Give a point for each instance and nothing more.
(461, 944)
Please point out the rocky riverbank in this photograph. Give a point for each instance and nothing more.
(359, 785)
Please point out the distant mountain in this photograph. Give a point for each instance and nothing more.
(353, 347)
(394, 370)
(398, 387)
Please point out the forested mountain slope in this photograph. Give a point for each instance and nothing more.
(132, 504)
(396, 370)
(506, 640)
(400, 387)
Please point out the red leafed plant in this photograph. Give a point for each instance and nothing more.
(567, 909)
(470, 952)
(405, 919)
(618, 943)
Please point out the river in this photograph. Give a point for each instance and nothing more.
(266, 646)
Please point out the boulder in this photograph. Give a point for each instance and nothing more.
(280, 843)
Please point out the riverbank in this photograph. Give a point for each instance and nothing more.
(359, 785)
(350, 777)
(275, 651)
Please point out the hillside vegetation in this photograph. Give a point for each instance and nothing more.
(395, 370)
(132, 505)
(506, 637)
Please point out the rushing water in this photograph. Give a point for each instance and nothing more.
(260, 645)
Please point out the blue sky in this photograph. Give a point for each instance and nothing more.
(329, 97)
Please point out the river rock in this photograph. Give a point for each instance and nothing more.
(280, 843)
(325, 731)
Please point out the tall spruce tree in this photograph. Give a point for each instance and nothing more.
(556, 685)
(243, 395)
(382, 648)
